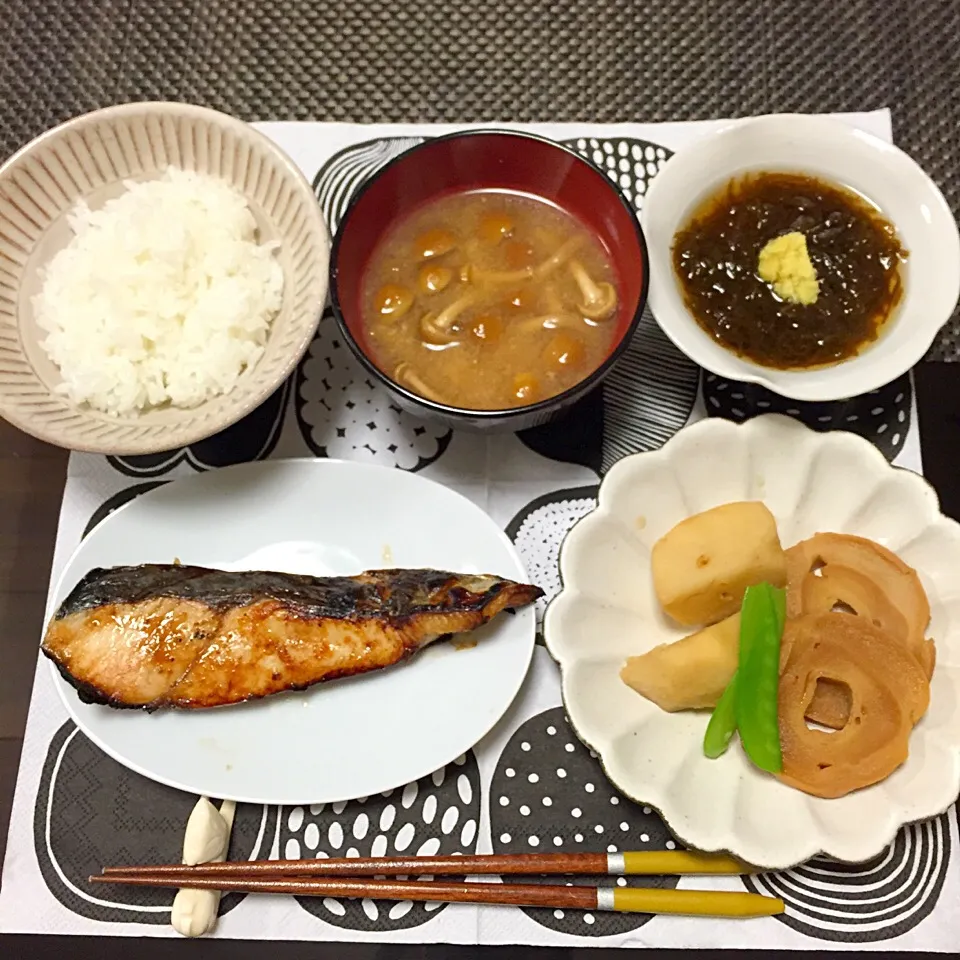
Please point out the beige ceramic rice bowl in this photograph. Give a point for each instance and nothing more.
(89, 159)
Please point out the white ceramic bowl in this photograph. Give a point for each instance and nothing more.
(88, 158)
(607, 612)
(835, 151)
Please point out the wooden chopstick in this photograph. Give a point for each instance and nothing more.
(645, 862)
(713, 903)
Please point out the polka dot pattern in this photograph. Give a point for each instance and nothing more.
(552, 795)
(630, 164)
(438, 814)
(538, 531)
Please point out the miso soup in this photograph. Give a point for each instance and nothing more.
(488, 300)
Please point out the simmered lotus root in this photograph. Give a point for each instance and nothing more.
(835, 571)
(830, 706)
(849, 591)
(834, 587)
(889, 694)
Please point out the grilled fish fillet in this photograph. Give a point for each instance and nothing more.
(156, 636)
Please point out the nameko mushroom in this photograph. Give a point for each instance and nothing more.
(470, 302)
(598, 300)
(437, 328)
(405, 376)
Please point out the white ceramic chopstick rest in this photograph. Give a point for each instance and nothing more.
(206, 840)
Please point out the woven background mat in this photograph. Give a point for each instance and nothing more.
(423, 60)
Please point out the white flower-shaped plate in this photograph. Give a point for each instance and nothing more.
(607, 611)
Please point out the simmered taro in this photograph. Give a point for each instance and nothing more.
(788, 271)
(489, 300)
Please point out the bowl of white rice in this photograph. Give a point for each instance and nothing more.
(163, 268)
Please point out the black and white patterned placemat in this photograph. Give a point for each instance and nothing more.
(530, 784)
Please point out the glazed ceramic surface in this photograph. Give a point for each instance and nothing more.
(836, 152)
(89, 158)
(607, 612)
(337, 740)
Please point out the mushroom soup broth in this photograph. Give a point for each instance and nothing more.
(489, 300)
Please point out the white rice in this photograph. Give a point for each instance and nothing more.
(163, 296)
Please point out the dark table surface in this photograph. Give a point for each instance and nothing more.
(428, 60)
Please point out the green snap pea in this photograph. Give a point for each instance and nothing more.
(762, 618)
(780, 608)
(723, 722)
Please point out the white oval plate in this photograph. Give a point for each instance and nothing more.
(339, 740)
(607, 611)
(827, 148)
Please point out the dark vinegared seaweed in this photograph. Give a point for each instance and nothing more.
(854, 250)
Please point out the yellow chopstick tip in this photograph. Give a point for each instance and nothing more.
(696, 903)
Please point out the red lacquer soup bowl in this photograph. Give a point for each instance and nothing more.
(488, 160)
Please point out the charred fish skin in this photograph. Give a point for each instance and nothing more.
(393, 594)
(158, 635)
